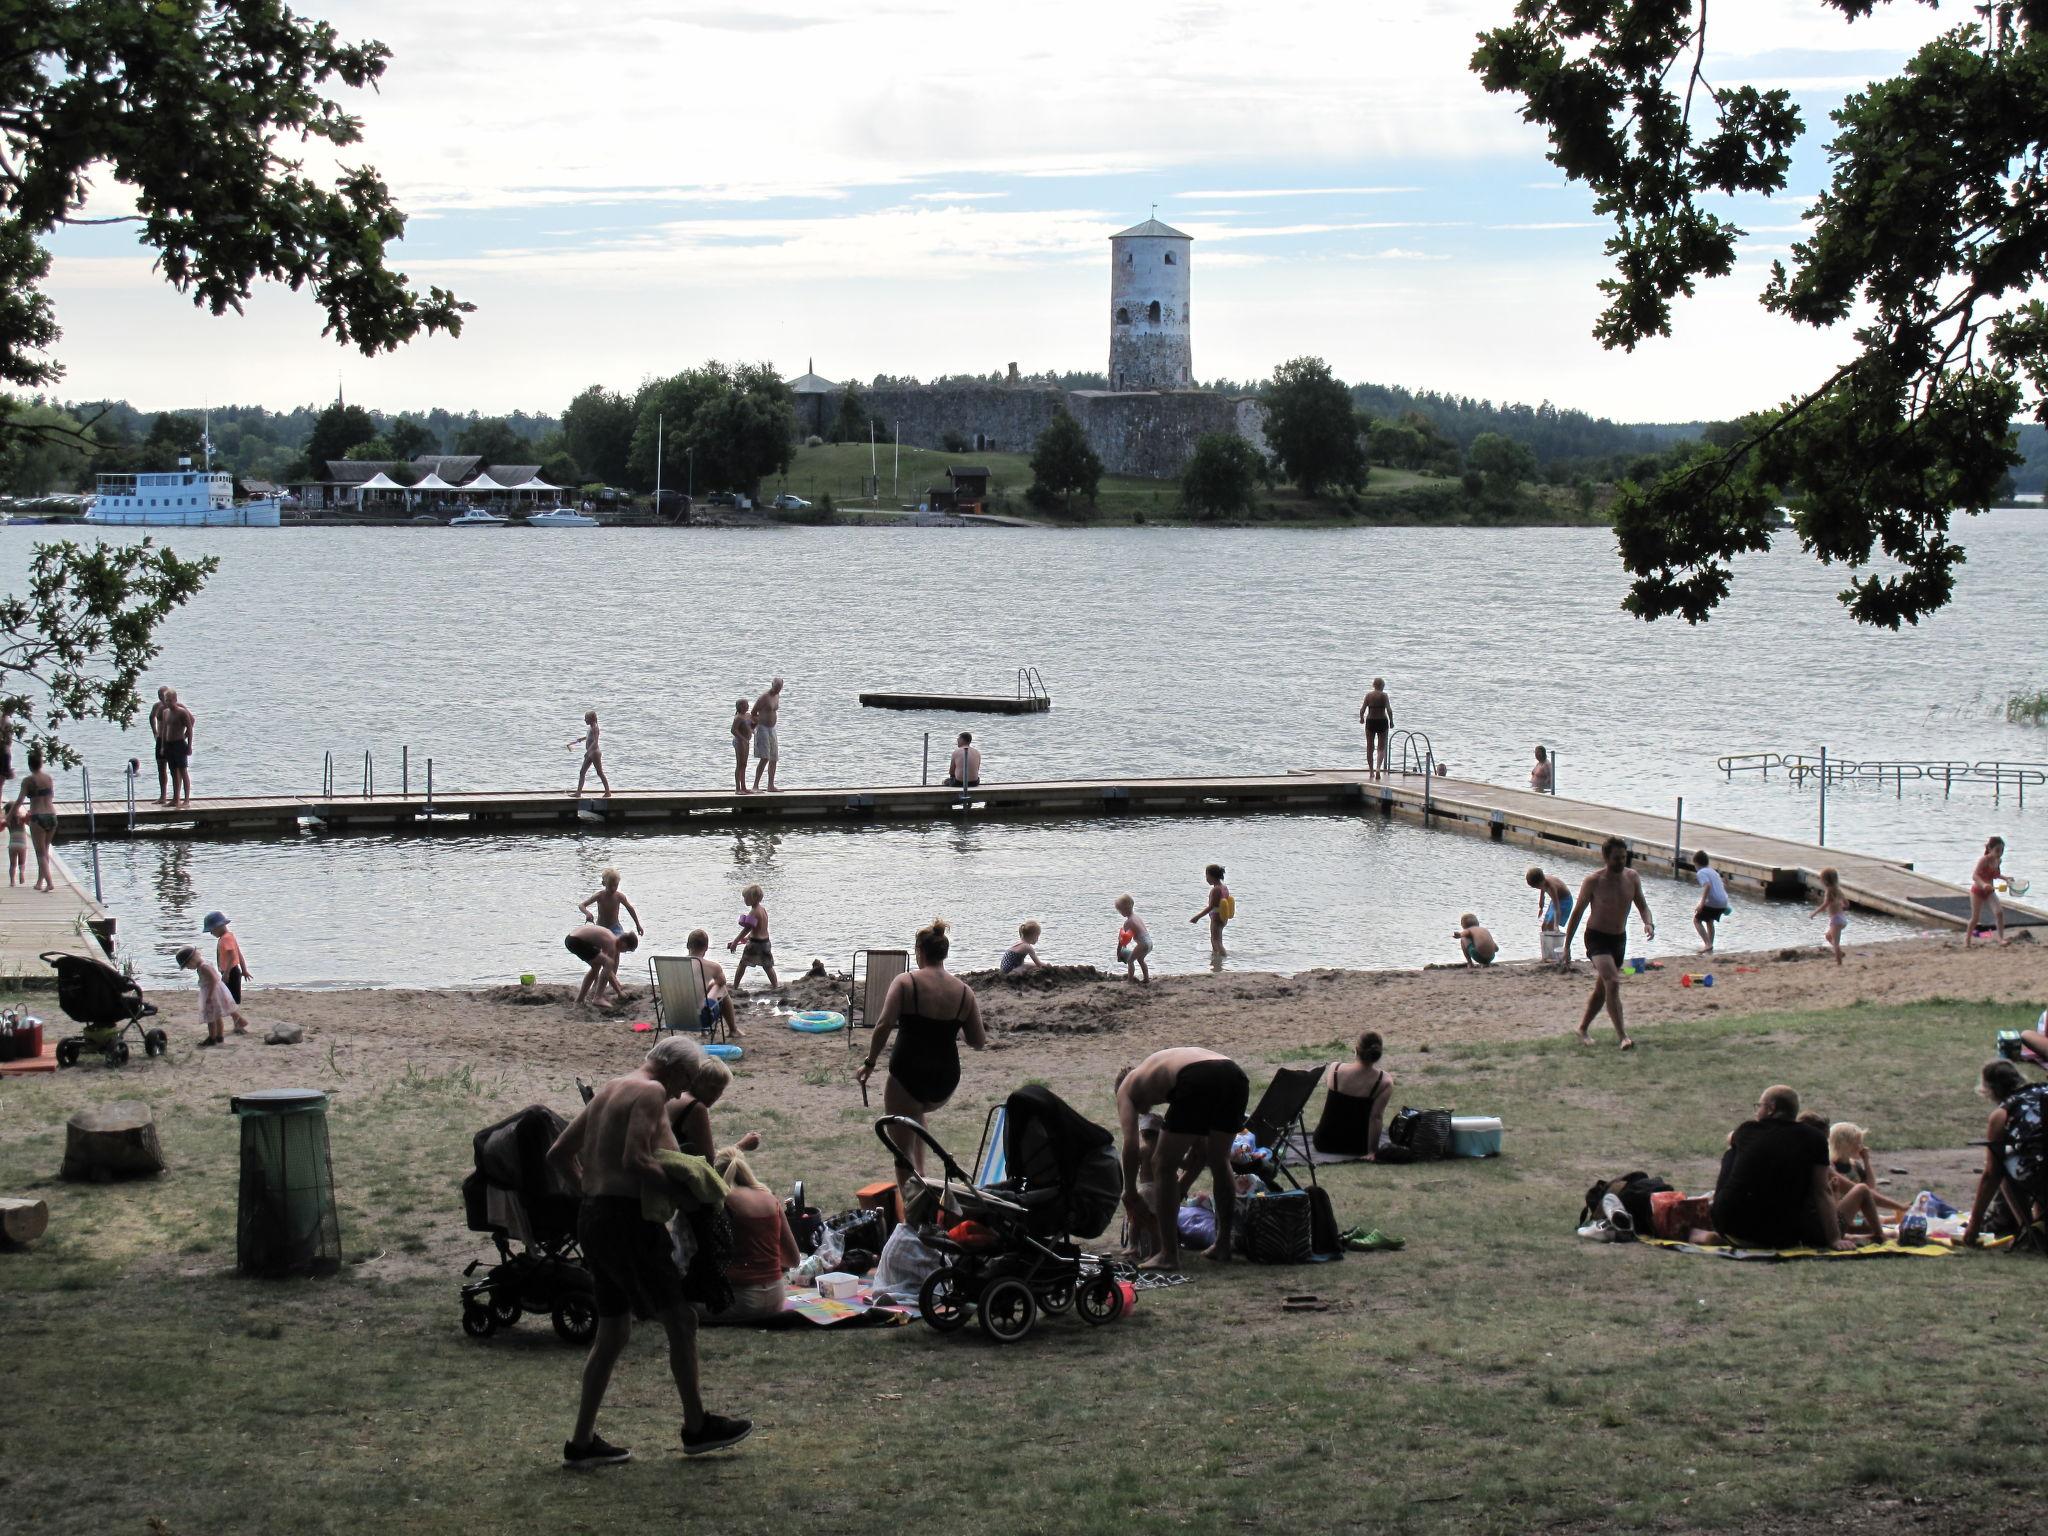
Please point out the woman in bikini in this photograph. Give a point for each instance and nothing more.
(1356, 1103)
(927, 1010)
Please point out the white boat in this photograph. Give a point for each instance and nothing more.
(561, 517)
(477, 517)
(186, 498)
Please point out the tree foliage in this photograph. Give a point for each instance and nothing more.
(494, 441)
(738, 421)
(851, 424)
(73, 647)
(1063, 464)
(56, 457)
(597, 429)
(1503, 462)
(1311, 428)
(1223, 476)
(1931, 233)
(339, 428)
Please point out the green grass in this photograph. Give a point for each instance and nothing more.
(1498, 1375)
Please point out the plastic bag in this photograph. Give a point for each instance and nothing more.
(906, 1262)
(1197, 1225)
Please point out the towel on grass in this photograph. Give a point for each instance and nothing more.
(1297, 1148)
(1888, 1249)
(827, 1312)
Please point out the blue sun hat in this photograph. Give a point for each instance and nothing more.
(215, 920)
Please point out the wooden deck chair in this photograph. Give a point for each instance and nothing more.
(871, 973)
(679, 996)
(1280, 1120)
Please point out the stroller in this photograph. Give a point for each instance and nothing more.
(108, 1004)
(515, 1197)
(1063, 1182)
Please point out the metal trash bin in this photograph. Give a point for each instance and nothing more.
(286, 1222)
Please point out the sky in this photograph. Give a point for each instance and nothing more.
(918, 187)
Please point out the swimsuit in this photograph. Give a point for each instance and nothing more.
(632, 1260)
(764, 744)
(1347, 1118)
(1612, 945)
(1560, 911)
(1472, 952)
(1012, 961)
(177, 753)
(758, 953)
(1207, 1098)
(925, 1056)
(583, 949)
(47, 820)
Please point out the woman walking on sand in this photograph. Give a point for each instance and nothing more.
(927, 1010)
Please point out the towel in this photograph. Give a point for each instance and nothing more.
(692, 1185)
(1888, 1249)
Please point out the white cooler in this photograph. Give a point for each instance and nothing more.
(1475, 1136)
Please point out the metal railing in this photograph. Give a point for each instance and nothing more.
(1824, 768)
(1418, 754)
(327, 791)
(1030, 685)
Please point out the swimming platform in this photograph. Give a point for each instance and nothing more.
(1777, 867)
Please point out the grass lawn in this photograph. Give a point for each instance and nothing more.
(1391, 495)
(1498, 1375)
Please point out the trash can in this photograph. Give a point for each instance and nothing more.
(286, 1222)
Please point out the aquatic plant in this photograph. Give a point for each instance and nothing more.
(2027, 708)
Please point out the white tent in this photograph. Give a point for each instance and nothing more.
(535, 483)
(483, 482)
(432, 482)
(380, 482)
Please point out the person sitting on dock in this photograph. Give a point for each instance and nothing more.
(1540, 776)
(1022, 953)
(1475, 941)
(1713, 900)
(1376, 714)
(178, 722)
(1604, 900)
(1205, 1094)
(604, 905)
(1984, 892)
(39, 795)
(593, 754)
(1553, 899)
(599, 948)
(742, 739)
(963, 769)
(753, 933)
(767, 748)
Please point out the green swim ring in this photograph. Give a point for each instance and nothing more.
(817, 1021)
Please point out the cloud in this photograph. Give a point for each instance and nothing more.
(1192, 197)
(956, 197)
(753, 21)
(1552, 224)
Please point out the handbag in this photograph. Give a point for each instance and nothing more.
(1325, 1238)
(806, 1225)
(1277, 1229)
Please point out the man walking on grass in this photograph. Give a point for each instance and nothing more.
(1604, 900)
(611, 1154)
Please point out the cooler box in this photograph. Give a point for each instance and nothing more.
(1475, 1136)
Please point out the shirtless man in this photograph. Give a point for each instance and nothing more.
(1376, 714)
(1205, 1094)
(610, 1154)
(39, 794)
(599, 949)
(1604, 900)
(157, 711)
(963, 768)
(767, 751)
(742, 738)
(593, 755)
(177, 746)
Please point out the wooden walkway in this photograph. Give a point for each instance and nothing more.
(1575, 828)
(32, 921)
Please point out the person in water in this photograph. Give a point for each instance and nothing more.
(926, 1013)
(1133, 941)
(1221, 909)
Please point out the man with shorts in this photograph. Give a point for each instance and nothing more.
(1205, 1094)
(610, 1154)
(177, 745)
(1376, 714)
(1604, 900)
(157, 711)
(767, 751)
(598, 947)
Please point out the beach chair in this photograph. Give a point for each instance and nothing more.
(871, 973)
(678, 982)
(1280, 1120)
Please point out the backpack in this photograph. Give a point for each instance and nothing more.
(1276, 1229)
(1633, 1190)
(1424, 1134)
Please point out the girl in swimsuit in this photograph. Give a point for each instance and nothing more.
(927, 1011)
(1836, 905)
(1984, 891)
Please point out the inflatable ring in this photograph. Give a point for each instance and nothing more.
(724, 1052)
(817, 1021)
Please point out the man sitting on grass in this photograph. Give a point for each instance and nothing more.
(1773, 1191)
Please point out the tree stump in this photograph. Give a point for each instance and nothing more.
(22, 1221)
(111, 1141)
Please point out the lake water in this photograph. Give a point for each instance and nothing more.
(1166, 651)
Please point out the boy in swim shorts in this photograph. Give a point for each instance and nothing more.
(607, 901)
(1205, 1094)
(1713, 900)
(754, 934)
(1553, 899)
(1133, 942)
(1475, 942)
(1221, 909)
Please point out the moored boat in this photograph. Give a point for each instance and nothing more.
(561, 517)
(184, 498)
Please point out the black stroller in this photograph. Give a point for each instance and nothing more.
(1062, 1181)
(515, 1197)
(109, 1004)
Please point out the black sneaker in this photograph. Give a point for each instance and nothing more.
(596, 1452)
(715, 1434)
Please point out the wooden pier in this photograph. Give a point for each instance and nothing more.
(1572, 828)
(973, 703)
(33, 921)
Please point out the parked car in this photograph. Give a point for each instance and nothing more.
(788, 503)
(723, 499)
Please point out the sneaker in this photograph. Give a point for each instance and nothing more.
(715, 1434)
(596, 1452)
(1616, 1214)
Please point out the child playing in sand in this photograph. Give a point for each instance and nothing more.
(227, 955)
(1836, 905)
(216, 1003)
(1133, 942)
(1713, 900)
(1022, 953)
(1553, 899)
(17, 845)
(593, 756)
(1221, 909)
(1475, 942)
(754, 934)
(606, 902)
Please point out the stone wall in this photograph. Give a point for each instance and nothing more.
(1150, 434)
(987, 416)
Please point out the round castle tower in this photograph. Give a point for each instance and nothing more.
(1149, 345)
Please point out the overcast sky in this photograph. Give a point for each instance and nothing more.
(927, 187)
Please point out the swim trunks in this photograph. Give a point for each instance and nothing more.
(1375, 726)
(1560, 911)
(1472, 953)
(177, 753)
(1613, 945)
(1208, 1097)
(632, 1260)
(758, 953)
(1713, 914)
(765, 747)
(582, 949)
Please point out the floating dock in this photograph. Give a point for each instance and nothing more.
(32, 921)
(974, 703)
(1573, 828)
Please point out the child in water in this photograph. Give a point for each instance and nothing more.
(1836, 906)
(754, 934)
(1221, 909)
(1133, 942)
(607, 900)
(1024, 952)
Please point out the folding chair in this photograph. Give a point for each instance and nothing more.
(1280, 1120)
(679, 996)
(871, 972)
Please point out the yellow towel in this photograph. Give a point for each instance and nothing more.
(692, 1185)
(1889, 1248)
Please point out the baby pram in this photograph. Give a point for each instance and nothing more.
(1008, 1247)
(108, 1003)
(514, 1196)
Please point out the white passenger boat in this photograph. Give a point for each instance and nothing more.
(561, 517)
(186, 498)
(477, 517)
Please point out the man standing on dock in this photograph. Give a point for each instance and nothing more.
(157, 713)
(177, 746)
(1376, 714)
(1603, 903)
(767, 751)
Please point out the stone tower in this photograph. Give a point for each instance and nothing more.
(1148, 301)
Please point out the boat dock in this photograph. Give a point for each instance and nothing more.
(1573, 828)
(33, 921)
(975, 703)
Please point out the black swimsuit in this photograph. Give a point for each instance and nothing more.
(925, 1056)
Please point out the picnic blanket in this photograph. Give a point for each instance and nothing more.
(825, 1312)
(1888, 1249)
(1297, 1148)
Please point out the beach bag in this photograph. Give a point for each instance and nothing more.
(906, 1260)
(1324, 1236)
(1425, 1134)
(1634, 1191)
(806, 1225)
(1276, 1229)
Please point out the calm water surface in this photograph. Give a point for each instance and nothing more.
(1166, 651)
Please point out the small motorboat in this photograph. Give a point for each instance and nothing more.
(477, 517)
(561, 517)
